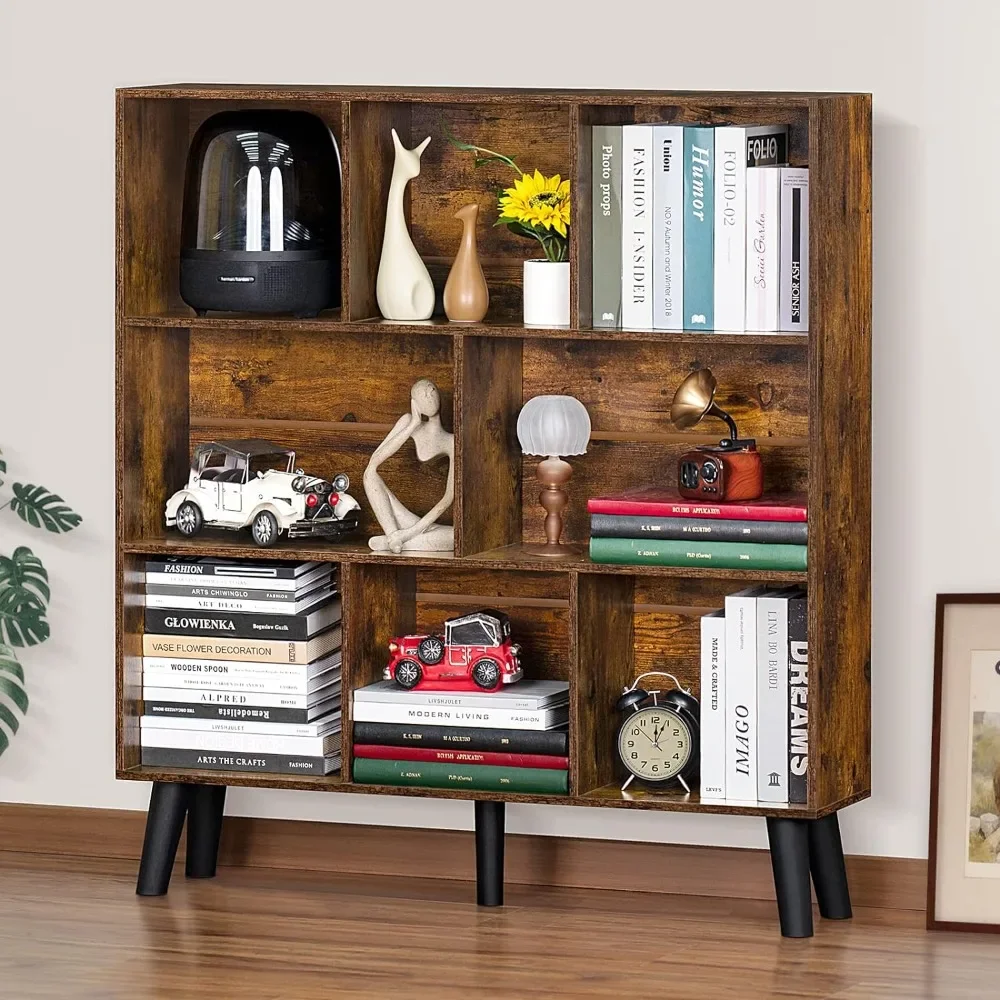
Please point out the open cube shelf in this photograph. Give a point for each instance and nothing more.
(331, 387)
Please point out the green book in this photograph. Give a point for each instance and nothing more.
(481, 777)
(699, 227)
(723, 555)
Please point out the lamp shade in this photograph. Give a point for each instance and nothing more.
(553, 425)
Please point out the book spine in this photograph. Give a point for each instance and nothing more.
(798, 701)
(504, 700)
(735, 512)
(741, 697)
(699, 228)
(542, 781)
(284, 597)
(637, 227)
(730, 228)
(250, 650)
(766, 145)
(763, 236)
(213, 698)
(694, 552)
(259, 713)
(448, 756)
(794, 297)
(167, 673)
(232, 624)
(219, 604)
(311, 730)
(230, 583)
(713, 706)
(487, 718)
(553, 742)
(607, 226)
(295, 746)
(269, 763)
(633, 526)
(668, 227)
(218, 572)
(772, 698)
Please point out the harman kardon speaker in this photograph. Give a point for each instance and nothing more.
(261, 222)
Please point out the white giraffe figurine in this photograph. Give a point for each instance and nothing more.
(404, 289)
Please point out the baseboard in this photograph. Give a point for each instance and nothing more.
(892, 883)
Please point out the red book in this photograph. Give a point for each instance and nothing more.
(655, 501)
(462, 756)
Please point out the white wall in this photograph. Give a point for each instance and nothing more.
(929, 67)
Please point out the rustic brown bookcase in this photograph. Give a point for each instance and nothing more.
(330, 387)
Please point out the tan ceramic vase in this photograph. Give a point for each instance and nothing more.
(466, 297)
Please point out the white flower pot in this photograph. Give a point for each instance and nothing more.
(546, 293)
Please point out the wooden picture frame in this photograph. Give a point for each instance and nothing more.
(967, 633)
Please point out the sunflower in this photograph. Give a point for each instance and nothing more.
(536, 201)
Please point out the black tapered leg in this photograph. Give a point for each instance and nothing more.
(829, 874)
(489, 853)
(204, 830)
(789, 840)
(168, 802)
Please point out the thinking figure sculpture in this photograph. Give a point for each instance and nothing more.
(404, 530)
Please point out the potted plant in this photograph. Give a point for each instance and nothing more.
(538, 208)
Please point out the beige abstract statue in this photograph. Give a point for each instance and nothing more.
(404, 530)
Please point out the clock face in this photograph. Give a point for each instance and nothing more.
(655, 743)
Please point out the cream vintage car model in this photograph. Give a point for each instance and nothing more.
(255, 484)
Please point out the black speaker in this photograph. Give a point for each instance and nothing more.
(261, 223)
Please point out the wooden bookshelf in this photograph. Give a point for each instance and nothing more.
(330, 387)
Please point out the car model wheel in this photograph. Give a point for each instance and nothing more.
(431, 650)
(486, 673)
(264, 529)
(407, 673)
(189, 518)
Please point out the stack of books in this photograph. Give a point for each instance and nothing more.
(241, 666)
(651, 526)
(699, 228)
(514, 740)
(755, 697)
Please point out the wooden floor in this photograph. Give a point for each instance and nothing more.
(74, 929)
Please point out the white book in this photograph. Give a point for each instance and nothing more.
(257, 650)
(527, 696)
(772, 697)
(171, 599)
(763, 255)
(258, 699)
(637, 227)
(730, 228)
(186, 739)
(232, 675)
(321, 727)
(668, 227)
(794, 295)
(741, 694)
(240, 575)
(713, 706)
(444, 715)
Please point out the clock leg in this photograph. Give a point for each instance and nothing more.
(789, 840)
(168, 803)
(489, 853)
(829, 874)
(204, 830)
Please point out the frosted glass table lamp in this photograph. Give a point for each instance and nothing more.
(553, 426)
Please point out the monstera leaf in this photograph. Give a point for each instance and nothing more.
(42, 509)
(12, 685)
(25, 571)
(22, 617)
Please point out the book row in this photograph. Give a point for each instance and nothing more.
(242, 666)
(515, 739)
(755, 697)
(699, 228)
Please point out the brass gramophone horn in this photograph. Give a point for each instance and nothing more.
(695, 399)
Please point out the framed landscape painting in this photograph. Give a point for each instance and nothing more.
(963, 891)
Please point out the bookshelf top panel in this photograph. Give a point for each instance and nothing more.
(456, 95)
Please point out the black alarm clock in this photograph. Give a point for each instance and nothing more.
(659, 736)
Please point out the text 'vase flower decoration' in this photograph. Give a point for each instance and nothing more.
(535, 206)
